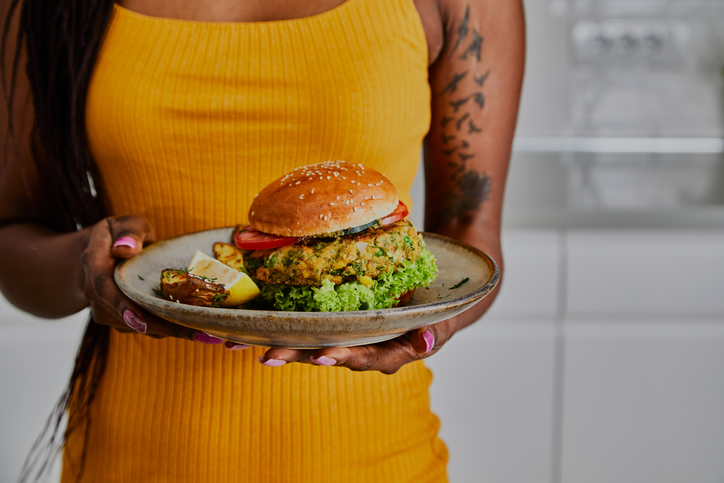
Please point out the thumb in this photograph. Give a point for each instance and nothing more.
(129, 234)
(423, 340)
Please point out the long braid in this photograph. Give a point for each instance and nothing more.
(62, 40)
(62, 44)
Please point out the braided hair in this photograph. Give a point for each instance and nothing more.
(61, 40)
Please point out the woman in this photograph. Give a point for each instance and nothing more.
(153, 118)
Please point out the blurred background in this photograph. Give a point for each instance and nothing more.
(602, 358)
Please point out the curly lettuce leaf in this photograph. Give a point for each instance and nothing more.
(353, 295)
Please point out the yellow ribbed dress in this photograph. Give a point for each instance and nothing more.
(187, 121)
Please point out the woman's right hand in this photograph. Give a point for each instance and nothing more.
(110, 240)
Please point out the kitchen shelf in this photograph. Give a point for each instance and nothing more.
(622, 145)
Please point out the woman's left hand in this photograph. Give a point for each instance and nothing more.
(387, 357)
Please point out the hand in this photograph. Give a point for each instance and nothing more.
(387, 357)
(114, 239)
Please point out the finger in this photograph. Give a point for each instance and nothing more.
(429, 340)
(235, 345)
(99, 263)
(153, 326)
(278, 357)
(101, 288)
(386, 357)
(161, 328)
(129, 234)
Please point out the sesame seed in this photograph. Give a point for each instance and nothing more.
(301, 197)
(352, 181)
(297, 183)
(350, 191)
(362, 203)
(332, 203)
(356, 209)
(313, 190)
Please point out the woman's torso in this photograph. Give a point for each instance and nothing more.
(186, 121)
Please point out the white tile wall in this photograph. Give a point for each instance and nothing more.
(655, 272)
(530, 283)
(643, 401)
(36, 358)
(493, 391)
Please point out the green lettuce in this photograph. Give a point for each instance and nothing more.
(353, 295)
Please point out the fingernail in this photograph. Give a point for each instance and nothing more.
(323, 361)
(429, 340)
(205, 338)
(272, 362)
(125, 241)
(234, 346)
(134, 321)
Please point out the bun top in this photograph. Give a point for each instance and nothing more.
(322, 198)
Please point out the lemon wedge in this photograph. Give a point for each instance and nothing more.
(241, 288)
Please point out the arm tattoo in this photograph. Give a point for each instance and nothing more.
(473, 189)
(473, 128)
(463, 29)
(453, 85)
(470, 188)
(481, 80)
(462, 120)
(475, 47)
(456, 104)
(447, 139)
(480, 99)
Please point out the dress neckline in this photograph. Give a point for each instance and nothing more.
(150, 18)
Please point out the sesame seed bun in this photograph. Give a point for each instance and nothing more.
(323, 198)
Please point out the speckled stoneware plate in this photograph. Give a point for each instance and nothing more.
(445, 298)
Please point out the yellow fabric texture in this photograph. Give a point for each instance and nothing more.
(187, 121)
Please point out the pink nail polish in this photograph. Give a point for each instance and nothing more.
(125, 241)
(323, 361)
(429, 340)
(272, 362)
(234, 346)
(134, 321)
(205, 338)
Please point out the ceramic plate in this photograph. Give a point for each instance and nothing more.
(465, 276)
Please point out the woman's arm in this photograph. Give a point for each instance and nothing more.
(37, 269)
(475, 87)
(43, 270)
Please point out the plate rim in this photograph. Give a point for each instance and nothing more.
(470, 298)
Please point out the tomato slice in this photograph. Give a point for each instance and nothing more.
(249, 239)
(400, 213)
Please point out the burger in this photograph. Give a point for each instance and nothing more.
(333, 236)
